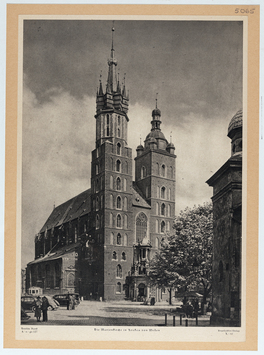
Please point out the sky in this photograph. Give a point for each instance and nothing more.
(194, 66)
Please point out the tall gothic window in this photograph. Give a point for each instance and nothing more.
(118, 239)
(163, 209)
(107, 126)
(119, 272)
(118, 132)
(118, 149)
(114, 257)
(141, 226)
(111, 238)
(162, 227)
(118, 221)
(143, 172)
(163, 170)
(118, 165)
(163, 191)
(125, 221)
(123, 256)
(118, 184)
(97, 222)
(111, 201)
(118, 202)
(125, 203)
(125, 240)
(118, 287)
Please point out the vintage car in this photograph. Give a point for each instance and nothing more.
(63, 298)
(53, 303)
(28, 303)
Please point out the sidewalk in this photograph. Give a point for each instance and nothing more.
(124, 313)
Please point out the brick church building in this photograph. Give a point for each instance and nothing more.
(100, 242)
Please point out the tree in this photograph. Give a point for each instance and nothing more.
(185, 258)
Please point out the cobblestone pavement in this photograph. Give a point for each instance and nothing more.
(124, 313)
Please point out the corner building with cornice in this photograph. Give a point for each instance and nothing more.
(100, 242)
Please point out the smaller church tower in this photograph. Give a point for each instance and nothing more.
(155, 179)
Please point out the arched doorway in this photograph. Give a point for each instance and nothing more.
(141, 291)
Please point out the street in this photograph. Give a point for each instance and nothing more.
(123, 313)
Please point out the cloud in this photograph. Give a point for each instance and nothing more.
(59, 135)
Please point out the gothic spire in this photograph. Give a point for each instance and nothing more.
(112, 63)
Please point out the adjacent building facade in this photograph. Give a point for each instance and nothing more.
(227, 242)
(100, 242)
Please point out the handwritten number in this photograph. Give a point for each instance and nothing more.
(244, 11)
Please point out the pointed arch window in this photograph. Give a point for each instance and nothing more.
(107, 126)
(162, 209)
(118, 239)
(162, 227)
(171, 172)
(111, 222)
(157, 226)
(97, 185)
(118, 132)
(111, 201)
(118, 287)
(125, 203)
(125, 221)
(111, 182)
(163, 192)
(123, 256)
(141, 227)
(169, 211)
(118, 165)
(143, 172)
(119, 272)
(163, 170)
(118, 184)
(114, 256)
(118, 221)
(118, 202)
(97, 222)
(118, 149)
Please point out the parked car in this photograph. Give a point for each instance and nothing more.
(24, 316)
(28, 303)
(63, 298)
(53, 303)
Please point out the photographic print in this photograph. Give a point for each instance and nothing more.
(132, 133)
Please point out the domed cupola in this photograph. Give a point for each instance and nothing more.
(156, 139)
(140, 149)
(235, 132)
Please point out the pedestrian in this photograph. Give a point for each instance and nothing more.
(70, 302)
(38, 308)
(44, 307)
(73, 301)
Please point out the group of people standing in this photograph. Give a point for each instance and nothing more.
(42, 306)
(71, 302)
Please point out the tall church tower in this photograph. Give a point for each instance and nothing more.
(155, 178)
(111, 183)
